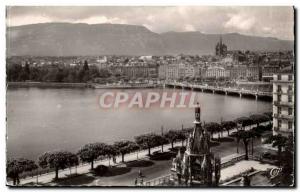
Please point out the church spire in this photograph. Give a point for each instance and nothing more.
(197, 114)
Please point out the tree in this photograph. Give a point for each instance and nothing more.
(73, 160)
(25, 73)
(228, 125)
(212, 127)
(244, 121)
(35, 74)
(104, 73)
(258, 118)
(85, 66)
(50, 75)
(234, 134)
(86, 76)
(90, 152)
(219, 129)
(245, 136)
(278, 141)
(60, 75)
(56, 160)
(93, 72)
(269, 115)
(181, 136)
(125, 147)
(160, 140)
(110, 151)
(13, 71)
(14, 167)
(254, 134)
(285, 176)
(287, 173)
(147, 141)
(172, 136)
(83, 74)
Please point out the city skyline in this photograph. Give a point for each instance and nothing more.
(275, 22)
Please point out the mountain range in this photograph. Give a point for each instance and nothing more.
(68, 39)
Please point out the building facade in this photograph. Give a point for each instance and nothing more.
(149, 71)
(239, 72)
(177, 71)
(172, 72)
(268, 71)
(252, 73)
(162, 69)
(283, 104)
(217, 72)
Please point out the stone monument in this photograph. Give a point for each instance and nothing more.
(197, 165)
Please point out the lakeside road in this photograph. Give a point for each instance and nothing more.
(85, 168)
(162, 168)
(154, 171)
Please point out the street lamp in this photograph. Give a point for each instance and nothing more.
(37, 176)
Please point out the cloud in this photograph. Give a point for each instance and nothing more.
(240, 22)
(23, 20)
(260, 21)
(269, 30)
(101, 19)
(189, 27)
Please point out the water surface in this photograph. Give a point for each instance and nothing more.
(39, 120)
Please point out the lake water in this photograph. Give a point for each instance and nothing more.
(39, 120)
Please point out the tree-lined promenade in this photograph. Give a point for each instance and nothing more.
(141, 147)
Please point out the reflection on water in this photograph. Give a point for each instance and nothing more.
(39, 120)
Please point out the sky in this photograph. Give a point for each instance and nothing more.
(259, 21)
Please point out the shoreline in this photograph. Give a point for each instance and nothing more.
(92, 86)
(46, 85)
(77, 85)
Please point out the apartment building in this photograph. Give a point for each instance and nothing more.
(283, 104)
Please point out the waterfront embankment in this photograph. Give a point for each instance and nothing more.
(79, 85)
(125, 86)
(47, 85)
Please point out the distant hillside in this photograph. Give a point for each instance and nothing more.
(199, 43)
(66, 39)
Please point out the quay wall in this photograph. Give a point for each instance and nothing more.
(46, 85)
(76, 85)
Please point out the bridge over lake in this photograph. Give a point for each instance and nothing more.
(239, 91)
